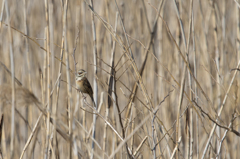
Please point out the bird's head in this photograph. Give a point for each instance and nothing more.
(80, 74)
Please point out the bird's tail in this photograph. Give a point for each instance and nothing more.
(93, 101)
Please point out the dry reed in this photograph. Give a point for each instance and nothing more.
(160, 69)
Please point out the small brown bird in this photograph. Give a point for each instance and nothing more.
(83, 84)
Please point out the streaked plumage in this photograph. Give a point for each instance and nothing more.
(83, 84)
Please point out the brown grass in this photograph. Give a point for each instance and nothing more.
(144, 99)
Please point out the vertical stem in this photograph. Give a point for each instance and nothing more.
(1, 16)
(238, 31)
(114, 135)
(105, 133)
(70, 105)
(153, 138)
(28, 109)
(48, 82)
(178, 58)
(132, 125)
(111, 81)
(12, 81)
(238, 57)
(195, 98)
(84, 59)
(178, 126)
(189, 132)
(57, 96)
(84, 48)
(217, 59)
(95, 87)
(44, 86)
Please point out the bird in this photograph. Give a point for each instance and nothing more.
(83, 84)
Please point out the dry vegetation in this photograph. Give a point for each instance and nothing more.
(166, 85)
